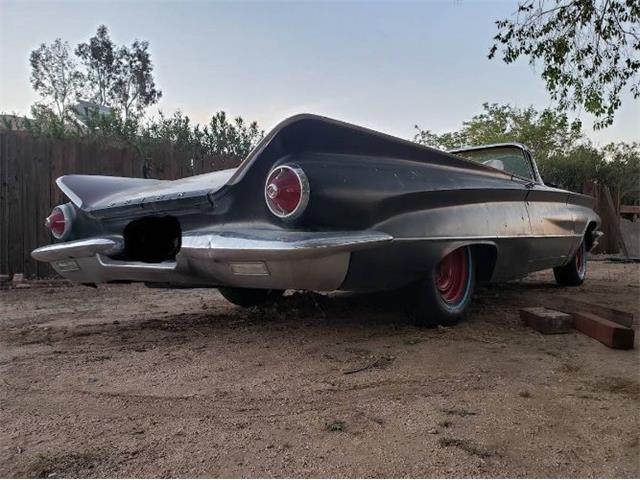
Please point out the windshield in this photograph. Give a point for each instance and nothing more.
(510, 159)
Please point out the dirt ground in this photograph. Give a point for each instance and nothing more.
(125, 381)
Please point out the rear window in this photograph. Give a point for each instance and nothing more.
(509, 159)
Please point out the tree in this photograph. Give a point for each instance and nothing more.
(55, 76)
(122, 78)
(573, 168)
(545, 133)
(134, 88)
(564, 156)
(99, 59)
(589, 50)
(118, 77)
(622, 170)
(234, 139)
(220, 137)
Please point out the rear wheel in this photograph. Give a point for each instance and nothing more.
(249, 297)
(443, 298)
(573, 273)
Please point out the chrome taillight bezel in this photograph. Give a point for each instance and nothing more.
(68, 214)
(305, 192)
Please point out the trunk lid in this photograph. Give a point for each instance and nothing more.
(103, 196)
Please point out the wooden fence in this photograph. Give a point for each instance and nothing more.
(29, 167)
(609, 208)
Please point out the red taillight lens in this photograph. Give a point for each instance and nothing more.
(284, 190)
(287, 191)
(58, 222)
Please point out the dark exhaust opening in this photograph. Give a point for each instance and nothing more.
(152, 239)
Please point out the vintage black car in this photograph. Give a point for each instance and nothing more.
(324, 205)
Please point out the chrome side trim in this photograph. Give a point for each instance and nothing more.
(489, 145)
(481, 237)
(276, 245)
(79, 248)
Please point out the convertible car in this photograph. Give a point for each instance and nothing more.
(324, 205)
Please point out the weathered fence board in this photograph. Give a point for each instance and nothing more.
(4, 202)
(609, 211)
(29, 167)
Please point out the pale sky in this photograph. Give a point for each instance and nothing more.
(386, 65)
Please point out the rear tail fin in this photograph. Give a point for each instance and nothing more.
(84, 191)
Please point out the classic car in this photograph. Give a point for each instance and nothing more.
(325, 205)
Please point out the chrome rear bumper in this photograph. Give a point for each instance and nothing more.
(79, 249)
(249, 258)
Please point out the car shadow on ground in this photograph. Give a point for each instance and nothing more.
(379, 313)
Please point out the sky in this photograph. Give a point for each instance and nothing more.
(386, 65)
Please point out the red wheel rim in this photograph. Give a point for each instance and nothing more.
(452, 277)
(580, 260)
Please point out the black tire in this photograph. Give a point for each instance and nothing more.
(573, 273)
(430, 306)
(249, 297)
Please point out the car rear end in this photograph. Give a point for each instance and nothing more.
(200, 232)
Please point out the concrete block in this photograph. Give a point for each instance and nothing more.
(546, 321)
(612, 334)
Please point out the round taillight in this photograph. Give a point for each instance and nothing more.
(287, 191)
(59, 221)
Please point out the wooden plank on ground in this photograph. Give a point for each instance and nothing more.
(570, 305)
(546, 321)
(610, 333)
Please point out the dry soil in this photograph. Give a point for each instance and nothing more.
(127, 381)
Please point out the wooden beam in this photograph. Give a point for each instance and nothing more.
(570, 305)
(612, 334)
(634, 209)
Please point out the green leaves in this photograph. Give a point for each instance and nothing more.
(231, 139)
(118, 77)
(55, 76)
(544, 132)
(589, 50)
(564, 156)
(220, 137)
(121, 78)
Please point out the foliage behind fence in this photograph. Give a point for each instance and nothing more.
(29, 166)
